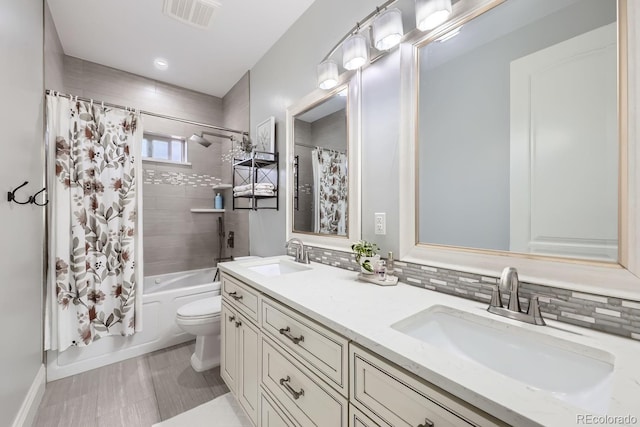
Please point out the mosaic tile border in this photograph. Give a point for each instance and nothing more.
(601, 313)
(159, 177)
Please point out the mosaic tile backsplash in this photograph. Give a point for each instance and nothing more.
(605, 314)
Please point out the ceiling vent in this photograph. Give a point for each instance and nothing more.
(197, 13)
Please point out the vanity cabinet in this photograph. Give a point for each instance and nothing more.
(240, 355)
(308, 375)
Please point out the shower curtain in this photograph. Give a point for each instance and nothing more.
(329, 191)
(94, 286)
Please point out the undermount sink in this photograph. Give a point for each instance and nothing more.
(571, 372)
(278, 268)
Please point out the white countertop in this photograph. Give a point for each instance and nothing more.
(364, 312)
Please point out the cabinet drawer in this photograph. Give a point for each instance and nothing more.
(271, 415)
(318, 348)
(241, 297)
(401, 400)
(305, 397)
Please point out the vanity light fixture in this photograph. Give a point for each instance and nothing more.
(327, 74)
(355, 52)
(387, 29)
(431, 13)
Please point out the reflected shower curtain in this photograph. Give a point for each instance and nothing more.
(94, 239)
(329, 191)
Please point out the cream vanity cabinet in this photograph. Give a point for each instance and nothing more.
(311, 376)
(240, 350)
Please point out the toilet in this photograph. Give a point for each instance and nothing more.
(202, 319)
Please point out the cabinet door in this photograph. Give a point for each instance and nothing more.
(248, 367)
(357, 418)
(229, 350)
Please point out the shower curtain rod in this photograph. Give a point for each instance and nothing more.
(149, 113)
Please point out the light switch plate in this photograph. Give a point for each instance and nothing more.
(380, 223)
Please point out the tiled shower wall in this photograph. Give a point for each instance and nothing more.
(606, 314)
(175, 239)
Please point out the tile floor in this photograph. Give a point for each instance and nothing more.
(133, 393)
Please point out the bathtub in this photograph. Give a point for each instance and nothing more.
(162, 295)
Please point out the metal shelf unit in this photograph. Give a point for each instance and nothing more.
(261, 167)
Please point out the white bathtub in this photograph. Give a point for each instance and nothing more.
(162, 295)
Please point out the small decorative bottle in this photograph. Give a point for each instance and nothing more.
(218, 202)
(390, 264)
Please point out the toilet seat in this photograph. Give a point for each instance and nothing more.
(202, 310)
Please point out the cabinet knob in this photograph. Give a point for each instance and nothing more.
(232, 318)
(287, 333)
(427, 423)
(238, 324)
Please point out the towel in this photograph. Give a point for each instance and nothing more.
(257, 186)
(257, 192)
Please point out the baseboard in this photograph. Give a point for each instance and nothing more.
(29, 409)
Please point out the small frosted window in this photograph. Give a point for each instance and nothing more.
(166, 148)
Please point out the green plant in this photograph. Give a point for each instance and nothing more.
(363, 248)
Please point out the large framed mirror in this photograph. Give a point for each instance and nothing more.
(520, 141)
(322, 167)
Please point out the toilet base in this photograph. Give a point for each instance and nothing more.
(207, 354)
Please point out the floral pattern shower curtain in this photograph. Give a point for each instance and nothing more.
(94, 242)
(330, 188)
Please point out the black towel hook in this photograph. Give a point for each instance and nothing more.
(11, 195)
(35, 196)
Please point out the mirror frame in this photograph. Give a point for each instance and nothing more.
(351, 82)
(617, 280)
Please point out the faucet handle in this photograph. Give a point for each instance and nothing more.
(496, 298)
(534, 311)
(305, 258)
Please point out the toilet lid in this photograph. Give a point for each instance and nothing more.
(204, 307)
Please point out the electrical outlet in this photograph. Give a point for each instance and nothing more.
(380, 223)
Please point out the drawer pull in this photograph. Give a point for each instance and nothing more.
(235, 296)
(232, 318)
(238, 324)
(284, 382)
(427, 423)
(287, 333)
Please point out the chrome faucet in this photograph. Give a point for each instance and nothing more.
(509, 281)
(302, 254)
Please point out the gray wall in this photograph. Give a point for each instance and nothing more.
(21, 227)
(464, 128)
(235, 109)
(285, 74)
(175, 239)
(53, 54)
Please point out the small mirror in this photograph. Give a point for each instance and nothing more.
(320, 167)
(518, 131)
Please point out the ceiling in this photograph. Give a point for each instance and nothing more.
(130, 34)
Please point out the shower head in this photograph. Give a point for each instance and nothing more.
(200, 140)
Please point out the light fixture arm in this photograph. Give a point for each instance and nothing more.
(362, 24)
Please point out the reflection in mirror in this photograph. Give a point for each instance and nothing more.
(320, 151)
(517, 133)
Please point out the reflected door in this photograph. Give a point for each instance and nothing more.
(564, 155)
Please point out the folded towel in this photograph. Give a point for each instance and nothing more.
(257, 186)
(256, 193)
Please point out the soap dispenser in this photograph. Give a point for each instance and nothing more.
(218, 203)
